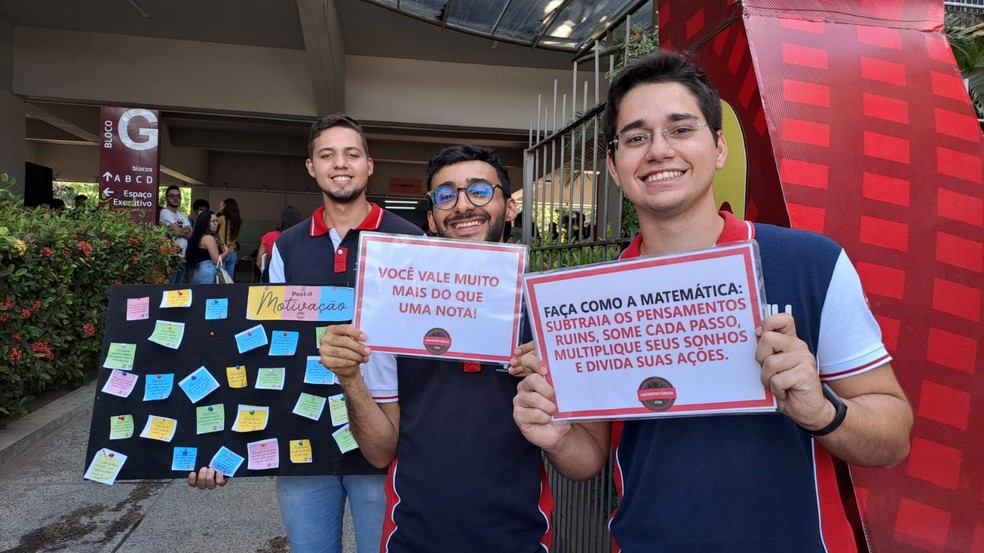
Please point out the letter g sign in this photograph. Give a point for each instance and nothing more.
(150, 133)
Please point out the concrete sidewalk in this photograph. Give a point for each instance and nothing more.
(48, 506)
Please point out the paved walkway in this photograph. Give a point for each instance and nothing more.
(46, 505)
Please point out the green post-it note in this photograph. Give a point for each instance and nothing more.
(210, 418)
(120, 427)
(120, 356)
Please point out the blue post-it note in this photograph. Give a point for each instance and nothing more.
(217, 308)
(283, 342)
(184, 458)
(316, 373)
(226, 461)
(158, 386)
(199, 384)
(251, 338)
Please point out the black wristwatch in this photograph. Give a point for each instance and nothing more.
(839, 415)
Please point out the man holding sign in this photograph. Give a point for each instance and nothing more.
(743, 482)
(462, 477)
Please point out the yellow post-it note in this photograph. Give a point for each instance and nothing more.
(176, 298)
(300, 451)
(236, 376)
(250, 418)
(159, 428)
(338, 410)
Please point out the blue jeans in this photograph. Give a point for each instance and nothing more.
(230, 264)
(204, 273)
(312, 508)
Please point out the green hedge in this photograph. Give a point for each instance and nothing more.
(56, 270)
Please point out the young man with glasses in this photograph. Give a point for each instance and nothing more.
(461, 476)
(178, 226)
(762, 483)
(323, 250)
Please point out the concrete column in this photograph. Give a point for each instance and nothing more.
(13, 128)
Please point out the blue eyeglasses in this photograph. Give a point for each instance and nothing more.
(479, 193)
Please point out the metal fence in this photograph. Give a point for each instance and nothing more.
(572, 215)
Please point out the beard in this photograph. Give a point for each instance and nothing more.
(346, 195)
(496, 226)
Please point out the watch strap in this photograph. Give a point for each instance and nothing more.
(839, 415)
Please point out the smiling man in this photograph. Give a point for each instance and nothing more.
(738, 483)
(462, 478)
(322, 250)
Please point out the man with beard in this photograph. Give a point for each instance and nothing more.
(461, 476)
(323, 250)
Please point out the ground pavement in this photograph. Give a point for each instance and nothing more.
(46, 505)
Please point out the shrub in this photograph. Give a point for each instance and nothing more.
(56, 270)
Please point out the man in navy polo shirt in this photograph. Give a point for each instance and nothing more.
(739, 483)
(461, 476)
(323, 250)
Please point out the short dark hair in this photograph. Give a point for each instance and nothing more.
(200, 203)
(334, 120)
(467, 152)
(662, 66)
(172, 187)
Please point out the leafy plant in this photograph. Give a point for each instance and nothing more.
(56, 270)
(967, 42)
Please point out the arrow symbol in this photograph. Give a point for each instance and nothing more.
(107, 175)
(107, 192)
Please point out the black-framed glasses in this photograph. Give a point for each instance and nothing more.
(479, 193)
(173, 195)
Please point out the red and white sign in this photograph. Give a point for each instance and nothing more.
(652, 337)
(129, 161)
(434, 297)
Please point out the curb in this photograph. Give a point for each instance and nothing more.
(28, 430)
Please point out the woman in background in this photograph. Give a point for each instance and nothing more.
(289, 217)
(229, 224)
(204, 251)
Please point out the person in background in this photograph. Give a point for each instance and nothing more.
(229, 225)
(204, 249)
(178, 227)
(289, 217)
(80, 201)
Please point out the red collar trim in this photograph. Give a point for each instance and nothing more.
(371, 222)
(735, 230)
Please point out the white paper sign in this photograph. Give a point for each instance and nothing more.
(651, 337)
(434, 297)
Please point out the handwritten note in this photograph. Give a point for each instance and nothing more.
(159, 428)
(337, 409)
(120, 427)
(316, 373)
(226, 461)
(251, 338)
(184, 458)
(105, 466)
(176, 298)
(271, 378)
(120, 356)
(158, 386)
(345, 439)
(283, 342)
(209, 418)
(263, 455)
(137, 309)
(300, 451)
(309, 406)
(236, 376)
(217, 308)
(168, 334)
(251, 418)
(120, 383)
(199, 384)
